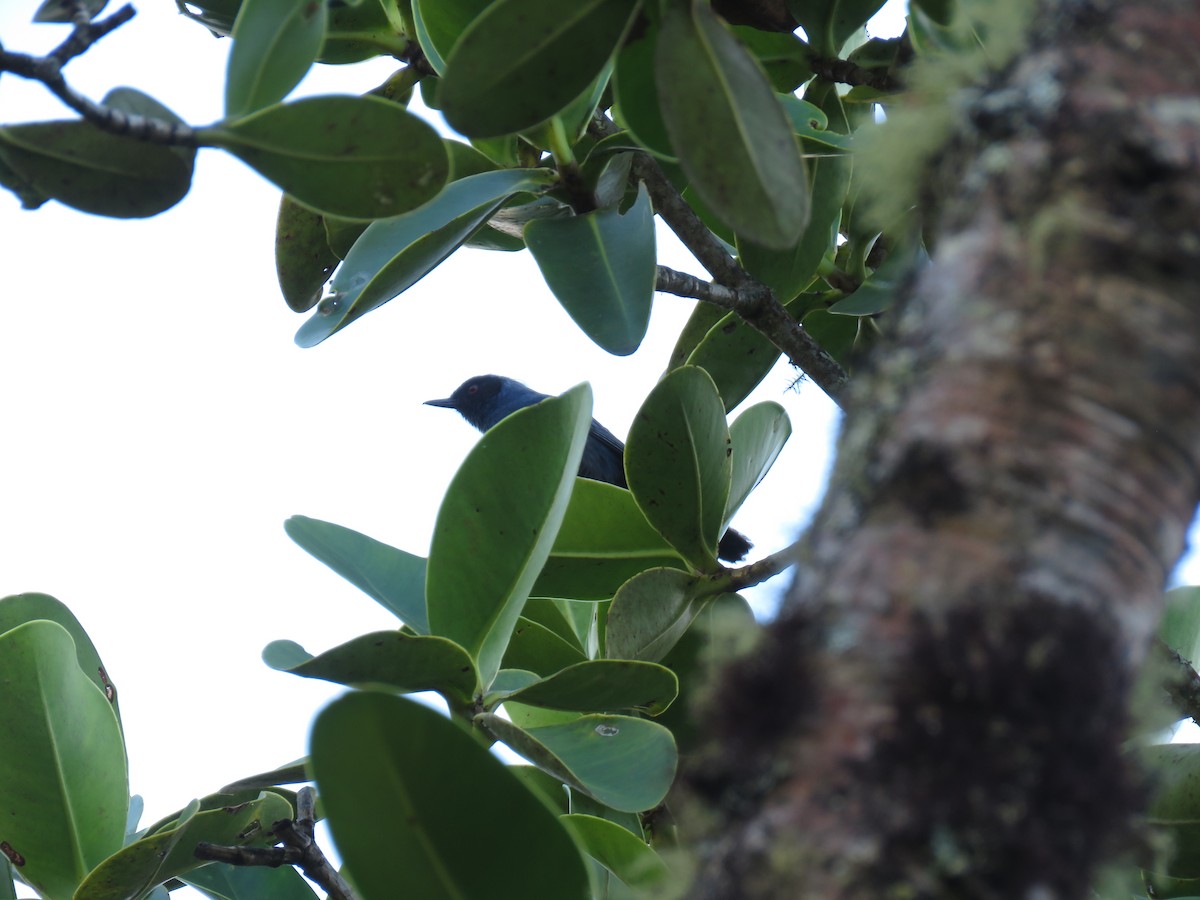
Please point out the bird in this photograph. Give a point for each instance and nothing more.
(486, 399)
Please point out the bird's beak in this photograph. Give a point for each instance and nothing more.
(446, 402)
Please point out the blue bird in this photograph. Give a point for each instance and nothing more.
(486, 399)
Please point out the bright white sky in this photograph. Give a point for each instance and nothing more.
(160, 424)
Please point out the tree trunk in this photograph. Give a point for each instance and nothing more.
(939, 711)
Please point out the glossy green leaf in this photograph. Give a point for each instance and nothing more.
(391, 819)
(1180, 624)
(677, 463)
(64, 789)
(522, 61)
(623, 762)
(829, 23)
(498, 521)
(303, 258)
(704, 316)
(439, 25)
(341, 234)
(552, 614)
(621, 852)
(758, 436)
(788, 271)
(604, 541)
(383, 659)
(536, 648)
(391, 577)
(783, 56)
(835, 334)
(552, 791)
(225, 882)
(275, 43)
(30, 196)
(601, 267)
(573, 118)
(650, 613)
(360, 31)
(393, 255)
(733, 139)
(169, 851)
(359, 157)
(1175, 809)
(18, 609)
(636, 108)
(604, 685)
(91, 170)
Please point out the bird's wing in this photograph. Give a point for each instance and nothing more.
(603, 456)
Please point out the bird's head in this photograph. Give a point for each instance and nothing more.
(478, 399)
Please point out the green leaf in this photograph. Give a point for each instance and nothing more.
(63, 11)
(880, 290)
(784, 57)
(439, 25)
(623, 762)
(275, 43)
(91, 170)
(604, 540)
(604, 685)
(340, 234)
(618, 850)
(291, 773)
(836, 334)
(733, 139)
(498, 521)
(788, 271)
(830, 23)
(1175, 809)
(941, 11)
(522, 61)
(1179, 628)
(602, 268)
(704, 316)
(360, 31)
(536, 648)
(393, 255)
(650, 613)
(303, 258)
(636, 105)
(677, 463)
(758, 436)
(392, 578)
(551, 613)
(389, 816)
(359, 157)
(388, 659)
(18, 609)
(64, 789)
(168, 850)
(226, 882)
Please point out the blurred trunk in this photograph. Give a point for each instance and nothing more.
(939, 711)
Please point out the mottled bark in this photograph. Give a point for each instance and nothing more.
(939, 711)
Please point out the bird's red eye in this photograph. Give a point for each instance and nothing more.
(473, 389)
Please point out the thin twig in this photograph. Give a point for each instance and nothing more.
(846, 72)
(300, 849)
(48, 70)
(733, 580)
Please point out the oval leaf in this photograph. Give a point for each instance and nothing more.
(439, 25)
(359, 157)
(601, 267)
(650, 613)
(536, 648)
(64, 789)
(604, 540)
(275, 42)
(758, 436)
(618, 850)
(604, 685)
(224, 882)
(303, 258)
(497, 524)
(91, 170)
(389, 659)
(677, 463)
(389, 576)
(389, 816)
(393, 255)
(522, 61)
(636, 106)
(732, 136)
(622, 762)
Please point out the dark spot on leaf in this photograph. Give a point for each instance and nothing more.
(13, 856)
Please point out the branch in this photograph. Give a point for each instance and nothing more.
(1182, 684)
(734, 580)
(48, 70)
(300, 850)
(846, 72)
